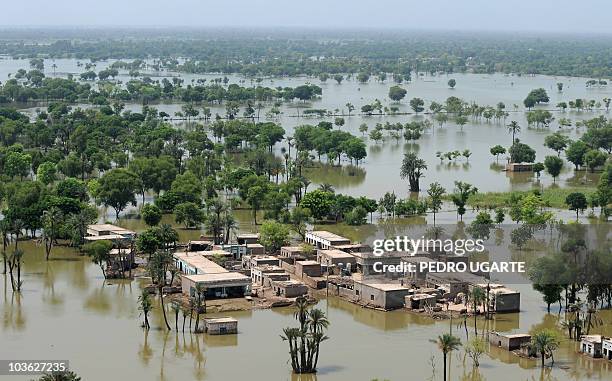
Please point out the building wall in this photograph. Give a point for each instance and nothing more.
(508, 303)
(224, 328)
(388, 300)
(607, 349)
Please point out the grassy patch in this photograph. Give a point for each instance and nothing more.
(552, 197)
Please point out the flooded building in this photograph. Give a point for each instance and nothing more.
(247, 238)
(108, 232)
(606, 345)
(591, 345)
(294, 253)
(199, 245)
(217, 285)
(264, 275)
(322, 239)
(509, 342)
(369, 263)
(504, 300)
(339, 258)
(289, 288)
(310, 268)
(255, 249)
(419, 301)
(221, 326)
(376, 293)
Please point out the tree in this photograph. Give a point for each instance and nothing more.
(52, 225)
(318, 202)
(363, 77)
(412, 168)
(299, 217)
(514, 128)
(189, 214)
(575, 153)
(462, 193)
(99, 252)
(452, 83)
(305, 340)
(576, 201)
(397, 93)
(594, 158)
(158, 266)
(339, 122)
(46, 173)
(273, 235)
(545, 342)
(417, 105)
(557, 142)
(447, 343)
(255, 198)
(338, 78)
(475, 348)
(537, 168)
(521, 153)
(553, 165)
(151, 214)
(477, 297)
(60, 376)
(497, 150)
(118, 188)
(536, 96)
(435, 193)
(145, 305)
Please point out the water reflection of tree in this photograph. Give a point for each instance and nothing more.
(340, 177)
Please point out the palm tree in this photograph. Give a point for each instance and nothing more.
(545, 343)
(477, 297)
(145, 306)
(514, 129)
(412, 168)
(326, 187)
(60, 376)
(447, 343)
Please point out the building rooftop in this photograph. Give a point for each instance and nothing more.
(200, 262)
(110, 228)
(106, 237)
(380, 284)
(288, 283)
(247, 236)
(292, 248)
(596, 339)
(309, 263)
(225, 319)
(335, 253)
(324, 234)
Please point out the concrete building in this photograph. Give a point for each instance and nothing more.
(322, 239)
(221, 326)
(354, 248)
(453, 282)
(237, 250)
(217, 285)
(195, 263)
(504, 300)
(591, 345)
(310, 268)
(255, 249)
(415, 262)
(199, 245)
(519, 167)
(289, 288)
(509, 342)
(606, 345)
(388, 296)
(368, 262)
(293, 252)
(264, 275)
(419, 301)
(247, 238)
(339, 258)
(108, 232)
(260, 260)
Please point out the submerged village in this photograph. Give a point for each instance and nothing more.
(219, 208)
(242, 275)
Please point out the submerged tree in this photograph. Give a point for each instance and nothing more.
(412, 168)
(447, 343)
(145, 306)
(305, 341)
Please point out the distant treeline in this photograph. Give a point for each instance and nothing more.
(315, 53)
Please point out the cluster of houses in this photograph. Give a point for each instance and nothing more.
(596, 346)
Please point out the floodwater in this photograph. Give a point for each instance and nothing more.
(379, 172)
(68, 311)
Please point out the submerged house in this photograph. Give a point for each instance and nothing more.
(591, 345)
(387, 296)
(509, 342)
(221, 326)
(339, 258)
(108, 232)
(606, 345)
(289, 288)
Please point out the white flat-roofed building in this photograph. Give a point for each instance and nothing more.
(101, 232)
(322, 239)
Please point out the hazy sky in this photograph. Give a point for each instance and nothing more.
(519, 15)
